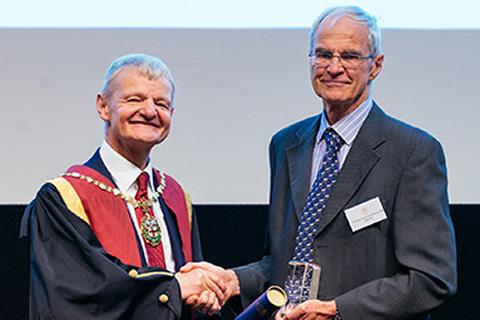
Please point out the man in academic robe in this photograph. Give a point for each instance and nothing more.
(108, 237)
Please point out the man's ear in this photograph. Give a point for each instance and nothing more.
(102, 108)
(377, 67)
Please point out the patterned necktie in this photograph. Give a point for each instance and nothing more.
(148, 223)
(317, 198)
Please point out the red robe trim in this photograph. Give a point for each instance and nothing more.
(175, 199)
(110, 220)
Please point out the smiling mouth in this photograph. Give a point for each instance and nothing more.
(334, 83)
(150, 124)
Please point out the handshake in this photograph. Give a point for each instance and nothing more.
(206, 287)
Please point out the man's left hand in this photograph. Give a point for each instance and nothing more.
(312, 309)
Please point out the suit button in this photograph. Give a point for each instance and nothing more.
(133, 273)
(163, 298)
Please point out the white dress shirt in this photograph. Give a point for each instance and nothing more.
(125, 174)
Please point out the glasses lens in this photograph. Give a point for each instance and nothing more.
(347, 60)
(350, 60)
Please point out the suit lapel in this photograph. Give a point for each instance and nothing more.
(299, 156)
(360, 160)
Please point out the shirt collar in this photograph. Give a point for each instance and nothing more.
(347, 127)
(123, 172)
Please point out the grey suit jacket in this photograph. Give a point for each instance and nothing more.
(399, 268)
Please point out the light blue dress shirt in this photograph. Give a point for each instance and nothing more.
(347, 127)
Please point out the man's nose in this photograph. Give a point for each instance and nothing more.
(335, 66)
(149, 109)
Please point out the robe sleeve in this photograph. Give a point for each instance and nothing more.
(73, 277)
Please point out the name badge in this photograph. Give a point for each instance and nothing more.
(365, 214)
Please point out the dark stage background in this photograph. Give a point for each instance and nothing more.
(233, 235)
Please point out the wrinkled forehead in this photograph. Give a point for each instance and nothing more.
(342, 32)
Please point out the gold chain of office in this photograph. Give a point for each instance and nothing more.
(149, 225)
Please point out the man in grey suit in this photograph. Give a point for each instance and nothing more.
(382, 232)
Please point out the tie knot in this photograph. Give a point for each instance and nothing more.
(142, 184)
(333, 139)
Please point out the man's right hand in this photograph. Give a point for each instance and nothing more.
(201, 289)
(228, 278)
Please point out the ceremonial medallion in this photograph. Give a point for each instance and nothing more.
(150, 230)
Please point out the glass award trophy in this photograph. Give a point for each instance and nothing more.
(302, 282)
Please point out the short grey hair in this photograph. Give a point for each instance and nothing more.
(152, 67)
(359, 15)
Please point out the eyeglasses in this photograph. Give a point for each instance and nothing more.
(348, 60)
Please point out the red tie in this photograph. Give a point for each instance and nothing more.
(155, 254)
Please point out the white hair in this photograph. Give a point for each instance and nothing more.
(359, 15)
(151, 66)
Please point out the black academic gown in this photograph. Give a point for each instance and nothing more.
(73, 277)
